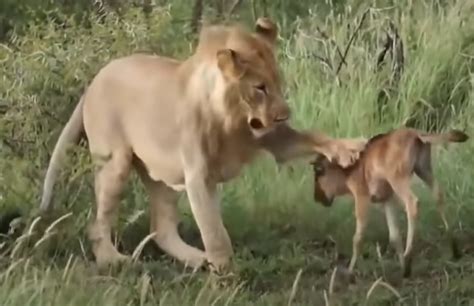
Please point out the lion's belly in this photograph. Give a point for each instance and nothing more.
(171, 176)
(177, 187)
(231, 161)
(170, 172)
(160, 158)
(166, 170)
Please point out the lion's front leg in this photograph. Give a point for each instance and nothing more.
(205, 208)
(286, 143)
(343, 151)
(202, 196)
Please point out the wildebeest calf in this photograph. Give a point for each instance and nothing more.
(384, 169)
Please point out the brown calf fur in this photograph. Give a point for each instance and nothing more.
(384, 169)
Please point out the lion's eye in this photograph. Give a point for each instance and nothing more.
(262, 88)
(318, 170)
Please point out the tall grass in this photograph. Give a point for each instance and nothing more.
(268, 211)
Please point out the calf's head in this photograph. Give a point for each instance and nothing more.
(329, 181)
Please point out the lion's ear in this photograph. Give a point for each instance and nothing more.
(230, 64)
(267, 29)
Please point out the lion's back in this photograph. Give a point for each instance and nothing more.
(131, 101)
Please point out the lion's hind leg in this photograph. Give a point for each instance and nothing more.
(164, 219)
(110, 177)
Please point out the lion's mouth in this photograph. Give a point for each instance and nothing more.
(258, 127)
(256, 124)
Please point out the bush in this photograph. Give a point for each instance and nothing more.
(43, 76)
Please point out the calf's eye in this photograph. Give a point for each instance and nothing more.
(318, 170)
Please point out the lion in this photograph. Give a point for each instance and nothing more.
(383, 170)
(186, 126)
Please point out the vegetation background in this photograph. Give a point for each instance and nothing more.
(351, 68)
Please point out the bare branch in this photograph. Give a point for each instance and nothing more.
(264, 7)
(46, 112)
(3, 109)
(254, 10)
(196, 16)
(233, 7)
(147, 8)
(322, 59)
(398, 59)
(219, 7)
(346, 51)
(394, 45)
(325, 62)
(332, 41)
(386, 47)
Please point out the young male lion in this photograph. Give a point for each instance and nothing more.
(186, 125)
(384, 169)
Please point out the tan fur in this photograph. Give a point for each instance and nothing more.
(187, 126)
(384, 169)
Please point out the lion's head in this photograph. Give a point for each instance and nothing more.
(252, 84)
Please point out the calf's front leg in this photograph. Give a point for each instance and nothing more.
(394, 232)
(361, 211)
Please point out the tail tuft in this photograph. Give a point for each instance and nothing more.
(457, 136)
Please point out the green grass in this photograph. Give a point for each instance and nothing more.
(287, 246)
(268, 274)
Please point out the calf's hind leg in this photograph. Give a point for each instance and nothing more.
(402, 188)
(110, 177)
(164, 217)
(424, 171)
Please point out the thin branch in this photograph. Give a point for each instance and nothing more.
(398, 59)
(394, 45)
(3, 109)
(346, 51)
(322, 59)
(264, 7)
(386, 47)
(46, 112)
(219, 8)
(254, 10)
(147, 8)
(233, 7)
(196, 16)
(10, 145)
(332, 41)
(16, 145)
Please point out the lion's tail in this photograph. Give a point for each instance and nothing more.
(451, 136)
(70, 134)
